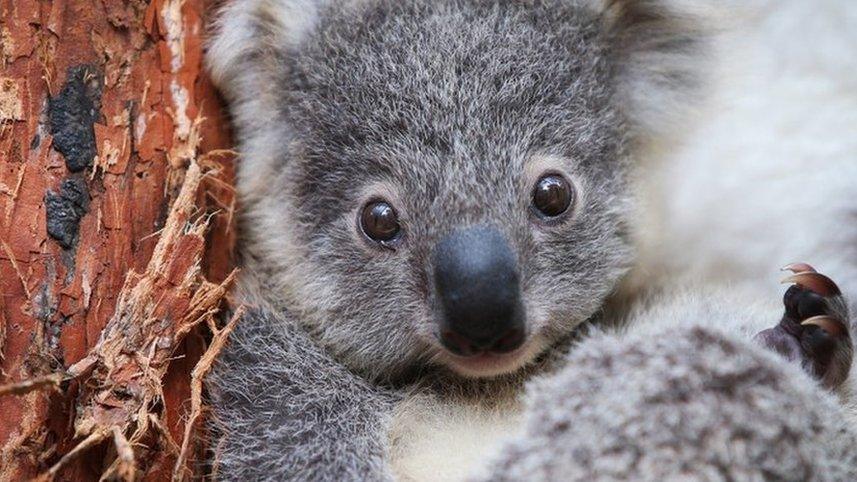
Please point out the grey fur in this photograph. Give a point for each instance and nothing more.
(729, 412)
(450, 110)
(285, 409)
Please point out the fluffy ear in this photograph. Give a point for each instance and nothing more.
(244, 59)
(249, 34)
(659, 57)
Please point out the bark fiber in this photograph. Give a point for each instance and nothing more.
(116, 237)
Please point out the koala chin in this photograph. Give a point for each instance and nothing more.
(443, 201)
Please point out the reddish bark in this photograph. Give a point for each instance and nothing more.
(122, 80)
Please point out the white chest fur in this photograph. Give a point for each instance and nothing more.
(448, 440)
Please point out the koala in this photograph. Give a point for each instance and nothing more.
(471, 249)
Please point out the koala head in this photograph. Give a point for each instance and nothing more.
(441, 182)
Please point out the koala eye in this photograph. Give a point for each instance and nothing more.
(552, 195)
(380, 222)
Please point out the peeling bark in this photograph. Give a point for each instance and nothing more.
(115, 236)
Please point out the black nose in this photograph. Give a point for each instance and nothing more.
(476, 279)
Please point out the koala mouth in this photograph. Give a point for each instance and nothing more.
(483, 321)
(488, 364)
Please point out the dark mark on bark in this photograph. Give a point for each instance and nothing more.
(72, 114)
(36, 142)
(64, 211)
(45, 305)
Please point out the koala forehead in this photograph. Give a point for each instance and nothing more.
(444, 97)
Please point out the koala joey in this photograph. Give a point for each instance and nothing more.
(445, 200)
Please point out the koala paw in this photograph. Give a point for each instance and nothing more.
(814, 330)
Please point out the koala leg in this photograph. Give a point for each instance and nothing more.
(676, 402)
(814, 330)
(284, 410)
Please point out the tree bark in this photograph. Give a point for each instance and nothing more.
(115, 237)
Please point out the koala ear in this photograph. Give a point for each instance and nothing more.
(250, 34)
(244, 58)
(659, 57)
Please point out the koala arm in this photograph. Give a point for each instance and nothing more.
(682, 402)
(284, 410)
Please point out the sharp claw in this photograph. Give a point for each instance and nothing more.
(828, 324)
(816, 282)
(798, 268)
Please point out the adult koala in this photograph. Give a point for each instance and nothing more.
(439, 198)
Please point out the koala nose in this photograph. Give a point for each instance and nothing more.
(477, 283)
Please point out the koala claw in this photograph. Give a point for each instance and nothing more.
(798, 268)
(814, 330)
(831, 325)
(817, 282)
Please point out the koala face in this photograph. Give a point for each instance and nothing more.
(432, 182)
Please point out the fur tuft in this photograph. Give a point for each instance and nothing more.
(729, 412)
(249, 35)
(246, 53)
(659, 58)
(285, 410)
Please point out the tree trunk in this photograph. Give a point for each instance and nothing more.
(115, 237)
